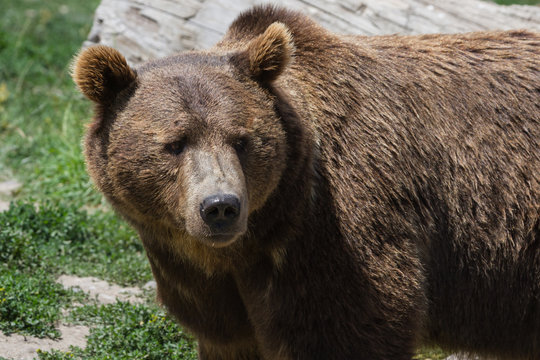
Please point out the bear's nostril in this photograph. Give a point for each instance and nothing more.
(230, 212)
(212, 212)
(220, 211)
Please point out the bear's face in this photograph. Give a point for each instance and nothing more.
(191, 142)
(198, 149)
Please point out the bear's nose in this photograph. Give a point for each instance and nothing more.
(220, 211)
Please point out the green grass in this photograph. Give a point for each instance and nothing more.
(65, 239)
(517, 2)
(42, 119)
(31, 305)
(426, 353)
(126, 331)
(41, 114)
(37, 245)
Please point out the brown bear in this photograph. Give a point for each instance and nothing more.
(307, 195)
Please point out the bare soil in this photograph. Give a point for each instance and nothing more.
(101, 290)
(19, 347)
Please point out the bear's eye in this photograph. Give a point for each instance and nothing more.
(240, 145)
(176, 147)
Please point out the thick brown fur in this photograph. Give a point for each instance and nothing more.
(389, 186)
(102, 73)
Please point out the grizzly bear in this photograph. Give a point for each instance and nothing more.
(307, 195)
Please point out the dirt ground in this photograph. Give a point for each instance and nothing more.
(19, 347)
(7, 189)
(101, 290)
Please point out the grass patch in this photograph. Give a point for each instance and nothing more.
(42, 120)
(41, 114)
(126, 331)
(31, 305)
(64, 239)
(517, 2)
(123, 331)
(36, 245)
(430, 353)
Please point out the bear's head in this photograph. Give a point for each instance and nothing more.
(190, 142)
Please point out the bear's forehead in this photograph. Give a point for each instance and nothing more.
(198, 83)
(190, 58)
(188, 78)
(191, 78)
(189, 71)
(201, 94)
(190, 96)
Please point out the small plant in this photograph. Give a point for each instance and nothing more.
(428, 353)
(29, 237)
(517, 2)
(32, 305)
(56, 355)
(126, 331)
(65, 239)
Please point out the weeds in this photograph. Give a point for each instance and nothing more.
(36, 245)
(31, 305)
(126, 331)
(64, 239)
(41, 114)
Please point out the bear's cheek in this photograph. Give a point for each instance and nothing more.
(263, 171)
(145, 184)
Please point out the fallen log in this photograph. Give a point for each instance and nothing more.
(145, 29)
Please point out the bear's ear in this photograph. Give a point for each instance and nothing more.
(270, 52)
(101, 73)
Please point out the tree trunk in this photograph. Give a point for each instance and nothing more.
(145, 29)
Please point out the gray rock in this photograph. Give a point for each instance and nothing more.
(4, 205)
(9, 187)
(151, 285)
(104, 292)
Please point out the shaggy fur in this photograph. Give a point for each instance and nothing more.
(389, 185)
(101, 74)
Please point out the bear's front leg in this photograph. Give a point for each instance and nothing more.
(326, 309)
(209, 307)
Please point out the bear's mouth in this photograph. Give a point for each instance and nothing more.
(220, 240)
